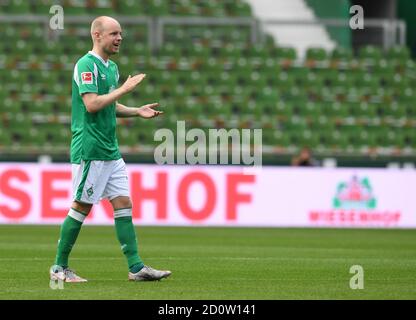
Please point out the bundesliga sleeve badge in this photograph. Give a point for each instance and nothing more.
(86, 77)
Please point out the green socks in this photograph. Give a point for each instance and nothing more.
(126, 235)
(136, 268)
(69, 233)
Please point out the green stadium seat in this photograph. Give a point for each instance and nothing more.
(338, 141)
(199, 51)
(370, 53)
(170, 50)
(253, 108)
(183, 8)
(269, 42)
(226, 79)
(336, 110)
(409, 137)
(285, 81)
(166, 78)
(42, 7)
(230, 51)
(399, 53)
(214, 9)
(316, 54)
(310, 109)
(130, 7)
(340, 53)
(238, 9)
(149, 92)
(37, 138)
(296, 124)
(300, 74)
(127, 136)
(366, 80)
(256, 51)
(395, 110)
(368, 139)
(396, 82)
(275, 137)
(21, 48)
(157, 8)
(389, 137)
(19, 7)
(5, 139)
(11, 32)
(364, 109)
(285, 53)
(101, 7)
(75, 7)
(310, 139)
(408, 96)
(384, 68)
(268, 95)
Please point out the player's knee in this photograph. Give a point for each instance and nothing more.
(121, 203)
(85, 208)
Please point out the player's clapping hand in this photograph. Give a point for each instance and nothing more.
(132, 82)
(148, 111)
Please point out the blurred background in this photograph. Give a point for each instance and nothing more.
(293, 68)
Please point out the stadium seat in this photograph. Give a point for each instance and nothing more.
(101, 7)
(370, 52)
(209, 75)
(399, 53)
(75, 7)
(316, 54)
(18, 7)
(341, 53)
(285, 53)
(41, 7)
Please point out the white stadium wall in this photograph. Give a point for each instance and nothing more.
(222, 196)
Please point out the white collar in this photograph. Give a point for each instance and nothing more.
(99, 58)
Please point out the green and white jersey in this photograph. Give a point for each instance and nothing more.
(93, 134)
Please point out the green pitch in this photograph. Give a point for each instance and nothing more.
(215, 263)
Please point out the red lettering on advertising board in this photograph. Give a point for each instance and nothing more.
(50, 193)
(158, 194)
(107, 208)
(183, 196)
(6, 189)
(234, 198)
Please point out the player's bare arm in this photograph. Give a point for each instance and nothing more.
(94, 102)
(146, 111)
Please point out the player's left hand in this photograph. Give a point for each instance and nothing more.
(147, 111)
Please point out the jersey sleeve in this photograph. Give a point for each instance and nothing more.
(85, 75)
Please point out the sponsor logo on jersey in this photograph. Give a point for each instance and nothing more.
(86, 77)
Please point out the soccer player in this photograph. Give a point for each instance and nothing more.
(98, 171)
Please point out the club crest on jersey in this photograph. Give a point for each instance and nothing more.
(86, 77)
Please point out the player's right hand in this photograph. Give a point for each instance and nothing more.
(132, 82)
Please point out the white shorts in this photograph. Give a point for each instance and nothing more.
(94, 180)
